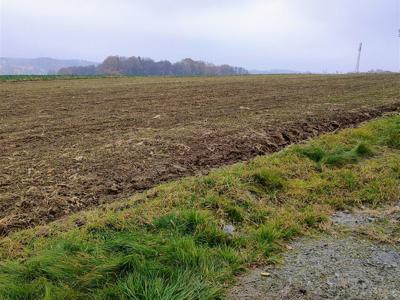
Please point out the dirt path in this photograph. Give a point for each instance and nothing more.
(348, 266)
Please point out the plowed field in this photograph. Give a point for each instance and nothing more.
(66, 145)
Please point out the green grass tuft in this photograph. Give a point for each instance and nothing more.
(269, 179)
(337, 157)
(235, 214)
(363, 150)
(313, 152)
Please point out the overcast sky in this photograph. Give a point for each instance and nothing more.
(314, 35)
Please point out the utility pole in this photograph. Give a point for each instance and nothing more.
(358, 59)
(399, 48)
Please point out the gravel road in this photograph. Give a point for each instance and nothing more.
(343, 267)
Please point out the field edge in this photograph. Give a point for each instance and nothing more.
(188, 238)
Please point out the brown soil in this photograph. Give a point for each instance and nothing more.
(66, 145)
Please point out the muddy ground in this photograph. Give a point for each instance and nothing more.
(66, 145)
(360, 261)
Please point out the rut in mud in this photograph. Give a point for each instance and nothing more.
(69, 145)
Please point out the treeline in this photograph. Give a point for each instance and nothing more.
(138, 66)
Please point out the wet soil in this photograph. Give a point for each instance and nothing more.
(67, 145)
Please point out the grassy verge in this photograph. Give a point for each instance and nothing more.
(170, 242)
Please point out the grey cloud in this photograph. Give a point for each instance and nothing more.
(303, 35)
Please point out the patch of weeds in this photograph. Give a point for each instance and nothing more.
(270, 180)
(106, 229)
(213, 236)
(267, 236)
(209, 182)
(338, 157)
(347, 179)
(379, 190)
(312, 216)
(129, 243)
(186, 222)
(179, 285)
(290, 230)
(244, 202)
(226, 184)
(198, 224)
(235, 213)
(390, 134)
(268, 233)
(360, 151)
(318, 187)
(184, 252)
(270, 250)
(213, 202)
(259, 216)
(363, 149)
(393, 139)
(395, 168)
(71, 246)
(230, 256)
(313, 152)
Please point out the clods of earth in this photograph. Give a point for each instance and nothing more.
(68, 145)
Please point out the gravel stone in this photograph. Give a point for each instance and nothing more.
(329, 268)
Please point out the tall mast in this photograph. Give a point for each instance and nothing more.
(358, 59)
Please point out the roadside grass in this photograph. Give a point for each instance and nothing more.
(170, 242)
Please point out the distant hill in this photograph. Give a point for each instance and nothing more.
(139, 66)
(37, 66)
(274, 71)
